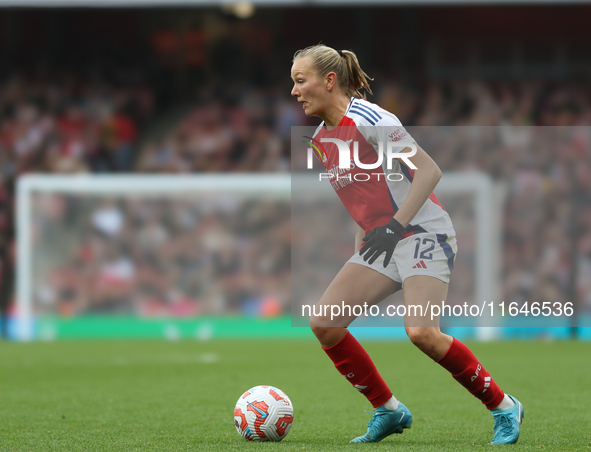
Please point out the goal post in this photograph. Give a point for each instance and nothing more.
(488, 202)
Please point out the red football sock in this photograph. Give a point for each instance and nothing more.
(466, 369)
(353, 362)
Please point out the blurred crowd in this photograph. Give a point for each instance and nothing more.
(544, 175)
(175, 256)
(70, 123)
(213, 137)
(52, 122)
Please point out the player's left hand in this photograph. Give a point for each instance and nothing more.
(382, 239)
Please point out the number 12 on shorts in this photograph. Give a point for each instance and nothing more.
(426, 252)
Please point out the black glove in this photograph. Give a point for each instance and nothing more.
(382, 239)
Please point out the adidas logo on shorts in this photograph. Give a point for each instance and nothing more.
(420, 264)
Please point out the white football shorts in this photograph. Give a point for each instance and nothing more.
(426, 253)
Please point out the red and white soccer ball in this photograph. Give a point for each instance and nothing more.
(263, 413)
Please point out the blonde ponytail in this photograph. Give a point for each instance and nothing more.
(343, 63)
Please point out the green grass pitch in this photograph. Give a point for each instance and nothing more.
(180, 396)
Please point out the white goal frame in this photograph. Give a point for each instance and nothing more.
(488, 205)
(276, 186)
(488, 201)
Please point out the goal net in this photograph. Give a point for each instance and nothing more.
(136, 256)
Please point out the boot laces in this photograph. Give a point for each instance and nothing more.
(504, 423)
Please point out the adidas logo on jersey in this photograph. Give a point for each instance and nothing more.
(420, 264)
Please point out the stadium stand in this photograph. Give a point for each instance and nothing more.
(239, 119)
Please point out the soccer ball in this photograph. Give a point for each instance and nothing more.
(263, 413)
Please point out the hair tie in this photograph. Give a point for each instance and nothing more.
(340, 52)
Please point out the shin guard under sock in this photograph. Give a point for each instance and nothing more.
(466, 369)
(353, 362)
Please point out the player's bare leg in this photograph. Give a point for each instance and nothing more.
(356, 285)
(421, 330)
(454, 356)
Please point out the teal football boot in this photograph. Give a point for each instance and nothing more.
(384, 423)
(508, 423)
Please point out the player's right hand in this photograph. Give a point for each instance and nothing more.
(382, 239)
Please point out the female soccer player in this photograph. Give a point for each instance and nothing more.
(399, 216)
